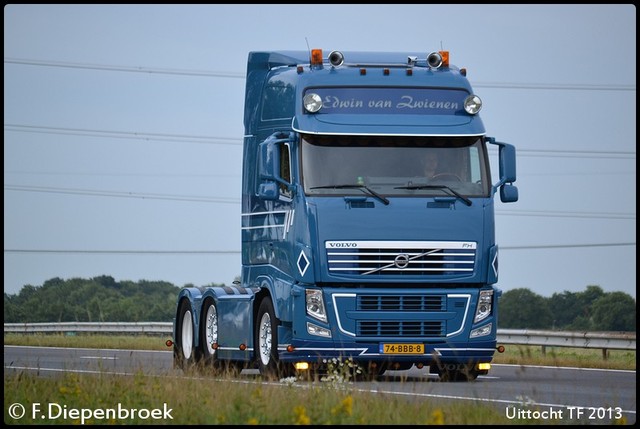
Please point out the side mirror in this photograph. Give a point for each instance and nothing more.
(268, 164)
(508, 193)
(507, 158)
(268, 190)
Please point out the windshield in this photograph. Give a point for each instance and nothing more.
(394, 166)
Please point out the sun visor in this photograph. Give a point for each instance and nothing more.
(394, 111)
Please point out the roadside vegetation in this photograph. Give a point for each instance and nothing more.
(103, 299)
(227, 401)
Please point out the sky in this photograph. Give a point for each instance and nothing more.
(123, 129)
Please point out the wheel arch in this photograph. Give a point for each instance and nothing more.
(195, 297)
(265, 291)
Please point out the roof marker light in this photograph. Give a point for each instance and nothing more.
(316, 57)
(445, 58)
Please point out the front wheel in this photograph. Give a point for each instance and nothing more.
(266, 342)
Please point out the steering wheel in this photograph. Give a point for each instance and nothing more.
(447, 176)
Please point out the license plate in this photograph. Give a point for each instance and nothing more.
(402, 349)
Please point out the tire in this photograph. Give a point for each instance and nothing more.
(186, 354)
(266, 342)
(209, 335)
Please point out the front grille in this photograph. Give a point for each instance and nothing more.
(406, 258)
(412, 314)
(390, 328)
(401, 303)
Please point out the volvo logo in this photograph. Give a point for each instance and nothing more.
(332, 245)
(401, 261)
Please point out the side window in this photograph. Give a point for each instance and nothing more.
(285, 169)
(474, 158)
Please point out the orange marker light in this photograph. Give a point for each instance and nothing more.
(445, 58)
(316, 57)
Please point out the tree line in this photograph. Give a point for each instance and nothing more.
(102, 299)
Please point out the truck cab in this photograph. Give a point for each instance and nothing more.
(368, 226)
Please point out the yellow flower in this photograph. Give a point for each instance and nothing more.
(346, 406)
(437, 417)
(301, 417)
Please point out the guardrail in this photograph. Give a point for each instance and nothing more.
(588, 340)
(156, 328)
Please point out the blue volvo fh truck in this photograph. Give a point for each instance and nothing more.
(368, 224)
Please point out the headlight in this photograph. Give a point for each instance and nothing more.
(485, 301)
(472, 104)
(312, 102)
(315, 304)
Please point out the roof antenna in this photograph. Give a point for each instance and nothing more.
(308, 49)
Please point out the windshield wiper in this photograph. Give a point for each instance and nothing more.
(466, 200)
(363, 188)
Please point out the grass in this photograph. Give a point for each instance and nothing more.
(566, 357)
(191, 401)
(91, 341)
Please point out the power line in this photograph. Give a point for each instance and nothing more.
(102, 193)
(237, 75)
(599, 154)
(219, 252)
(562, 246)
(554, 86)
(147, 70)
(106, 193)
(126, 252)
(120, 194)
(102, 174)
(238, 141)
(123, 134)
(571, 214)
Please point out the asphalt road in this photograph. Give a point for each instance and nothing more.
(567, 395)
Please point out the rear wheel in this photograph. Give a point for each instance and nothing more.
(209, 334)
(185, 354)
